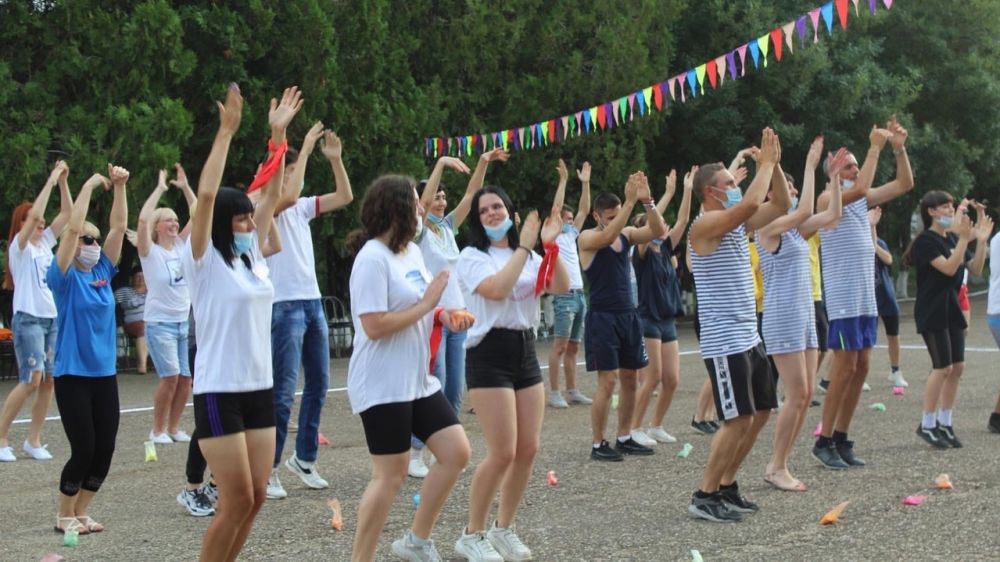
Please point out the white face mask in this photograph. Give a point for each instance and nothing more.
(89, 255)
(846, 184)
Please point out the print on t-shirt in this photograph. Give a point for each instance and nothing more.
(42, 264)
(419, 281)
(176, 272)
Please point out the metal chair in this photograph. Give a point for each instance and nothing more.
(340, 325)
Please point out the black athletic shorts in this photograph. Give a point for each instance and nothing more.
(946, 347)
(822, 325)
(223, 413)
(388, 426)
(891, 324)
(504, 359)
(742, 383)
(613, 341)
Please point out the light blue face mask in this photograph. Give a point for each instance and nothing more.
(795, 205)
(846, 184)
(945, 222)
(435, 220)
(242, 242)
(657, 242)
(733, 196)
(496, 233)
(568, 228)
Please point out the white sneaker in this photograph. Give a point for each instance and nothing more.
(417, 468)
(896, 379)
(476, 548)
(577, 397)
(275, 491)
(507, 544)
(660, 435)
(640, 437)
(406, 549)
(7, 454)
(37, 453)
(556, 400)
(307, 473)
(865, 387)
(160, 438)
(180, 437)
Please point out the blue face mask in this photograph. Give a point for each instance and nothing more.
(657, 242)
(568, 228)
(733, 196)
(242, 242)
(496, 233)
(846, 184)
(795, 205)
(435, 220)
(945, 222)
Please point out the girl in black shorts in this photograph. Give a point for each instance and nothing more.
(940, 254)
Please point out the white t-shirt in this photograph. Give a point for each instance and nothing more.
(519, 311)
(571, 257)
(293, 269)
(167, 297)
(232, 307)
(393, 368)
(993, 302)
(28, 268)
(441, 253)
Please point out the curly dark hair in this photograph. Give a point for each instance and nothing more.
(390, 205)
(477, 234)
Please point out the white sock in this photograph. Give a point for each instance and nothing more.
(944, 417)
(624, 439)
(929, 421)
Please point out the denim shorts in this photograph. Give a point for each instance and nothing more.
(569, 310)
(168, 346)
(34, 344)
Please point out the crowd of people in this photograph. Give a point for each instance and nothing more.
(783, 272)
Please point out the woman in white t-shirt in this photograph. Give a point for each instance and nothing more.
(231, 297)
(29, 255)
(393, 307)
(160, 241)
(500, 280)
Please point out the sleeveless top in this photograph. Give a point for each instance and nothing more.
(848, 265)
(724, 286)
(658, 285)
(608, 275)
(788, 309)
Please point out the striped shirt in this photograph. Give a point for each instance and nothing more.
(724, 286)
(789, 316)
(848, 265)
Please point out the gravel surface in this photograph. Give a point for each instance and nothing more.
(635, 510)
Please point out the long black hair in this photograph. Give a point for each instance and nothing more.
(477, 234)
(390, 205)
(229, 202)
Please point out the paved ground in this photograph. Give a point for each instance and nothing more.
(636, 510)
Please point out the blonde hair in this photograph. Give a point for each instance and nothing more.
(160, 213)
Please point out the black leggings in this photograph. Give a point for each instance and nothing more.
(88, 407)
(196, 465)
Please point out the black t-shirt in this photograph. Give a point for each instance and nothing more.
(659, 286)
(936, 308)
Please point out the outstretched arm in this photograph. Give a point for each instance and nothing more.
(144, 235)
(904, 174)
(655, 227)
(583, 208)
(740, 158)
(65, 202)
(777, 206)
(279, 116)
(71, 236)
(431, 187)
(684, 213)
(181, 183)
(342, 195)
(461, 211)
(37, 213)
(833, 195)
(668, 193)
(119, 214)
(290, 192)
(560, 197)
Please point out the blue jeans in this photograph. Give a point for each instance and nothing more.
(299, 337)
(449, 368)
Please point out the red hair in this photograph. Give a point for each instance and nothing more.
(16, 222)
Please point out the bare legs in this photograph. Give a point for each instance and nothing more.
(562, 357)
(663, 369)
(15, 401)
(847, 376)
(730, 446)
(797, 371)
(141, 354)
(163, 399)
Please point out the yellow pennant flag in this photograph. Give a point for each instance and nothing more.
(764, 42)
(700, 73)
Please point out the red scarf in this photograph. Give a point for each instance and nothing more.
(270, 167)
(548, 267)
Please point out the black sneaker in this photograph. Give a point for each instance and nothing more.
(931, 437)
(737, 502)
(846, 452)
(947, 434)
(712, 508)
(824, 385)
(714, 425)
(631, 447)
(829, 457)
(815, 403)
(702, 427)
(605, 453)
(994, 425)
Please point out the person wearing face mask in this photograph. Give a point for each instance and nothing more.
(848, 269)
(160, 240)
(86, 388)
(231, 296)
(659, 306)
(29, 255)
(789, 326)
(502, 278)
(742, 381)
(940, 255)
(299, 330)
(569, 309)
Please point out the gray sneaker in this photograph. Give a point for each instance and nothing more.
(556, 400)
(407, 550)
(507, 544)
(577, 397)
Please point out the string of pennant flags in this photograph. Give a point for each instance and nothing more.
(658, 97)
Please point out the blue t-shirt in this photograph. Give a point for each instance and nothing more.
(85, 306)
(885, 292)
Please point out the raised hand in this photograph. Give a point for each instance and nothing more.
(583, 174)
(874, 215)
(530, 227)
(182, 181)
(59, 172)
(770, 151)
(161, 180)
(97, 180)
(563, 172)
(231, 111)
(962, 225)
(837, 162)
(118, 176)
(879, 137)
(984, 228)
(741, 174)
(332, 147)
(637, 188)
(671, 186)
(434, 290)
(282, 112)
(689, 177)
(815, 153)
(497, 154)
(453, 164)
(457, 320)
(899, 134)
(552, 226)
(312, 135)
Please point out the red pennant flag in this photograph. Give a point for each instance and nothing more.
(776, 41)
(442, 147)
(713, 73)
(842, 12)
(601, 116)
(510, 138)
(658, 93)
(552, 130)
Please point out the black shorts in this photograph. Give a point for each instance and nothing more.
(613, 341)
(946, 347)
(388, 426)
(822, 325)
(663, 330)
(742, 383)
(225, 413)
(891, 324)
(503, 359)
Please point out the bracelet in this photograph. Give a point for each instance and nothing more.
(525, 248)
(901, 150)
(649, 205)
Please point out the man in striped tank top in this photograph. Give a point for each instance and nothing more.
(742, 381)
(848, 268)
(612, 330)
